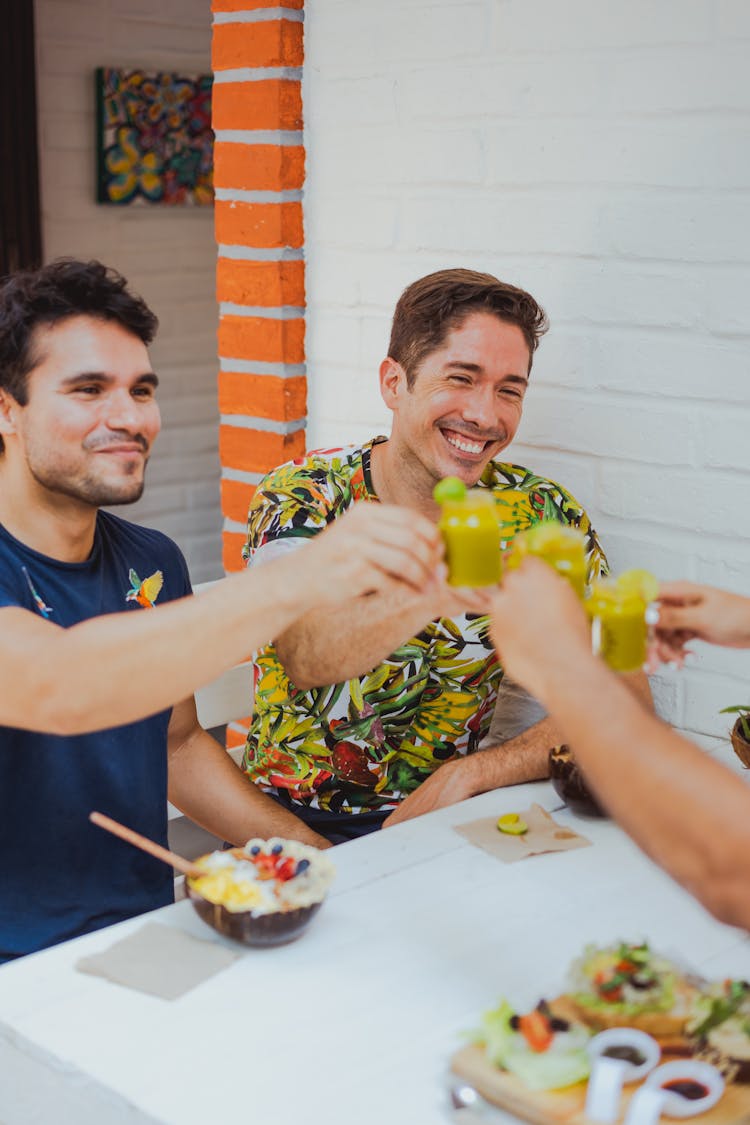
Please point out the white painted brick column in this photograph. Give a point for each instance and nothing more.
(597, 154)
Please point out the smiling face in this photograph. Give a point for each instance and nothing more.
(91, 413)
(465, 402)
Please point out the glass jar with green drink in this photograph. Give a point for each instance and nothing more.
(471, 533)
(562, 547)
(619, 621)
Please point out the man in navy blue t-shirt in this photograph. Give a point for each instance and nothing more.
(100, 649)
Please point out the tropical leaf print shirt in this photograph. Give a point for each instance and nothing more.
(367, 743)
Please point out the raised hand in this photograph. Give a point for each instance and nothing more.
(368, 548)
(452, 601)
(688, 611)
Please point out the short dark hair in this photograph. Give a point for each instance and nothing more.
(58, 291)
(433, 306)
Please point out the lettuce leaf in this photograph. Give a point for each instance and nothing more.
(564, 1064)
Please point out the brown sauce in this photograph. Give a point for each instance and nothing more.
(686, 1088)
(628, 1054)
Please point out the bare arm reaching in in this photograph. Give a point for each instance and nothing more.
(324, 648)
(114, 669)
(686, 811)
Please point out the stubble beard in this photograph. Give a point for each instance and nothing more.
(88, 489)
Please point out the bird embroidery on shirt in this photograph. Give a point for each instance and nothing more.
(43, 608)
(147, 591)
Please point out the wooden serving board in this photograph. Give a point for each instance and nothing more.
(565, 1107)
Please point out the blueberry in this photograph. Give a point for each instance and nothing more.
(302, 866)
(277, 849)
(254, 850)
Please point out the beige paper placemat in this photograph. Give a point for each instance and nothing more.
(159, 960)
(544, 835)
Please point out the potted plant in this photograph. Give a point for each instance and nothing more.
(740, 732)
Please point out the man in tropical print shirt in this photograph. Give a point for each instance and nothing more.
(374, 713)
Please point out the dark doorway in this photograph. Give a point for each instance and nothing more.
(20, 219)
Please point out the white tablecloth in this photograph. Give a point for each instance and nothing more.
(354, 1023)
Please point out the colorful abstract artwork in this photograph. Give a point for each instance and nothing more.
(154, 138)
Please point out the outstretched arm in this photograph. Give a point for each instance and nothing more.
(121, 667)
(688, 812)
(323, 648)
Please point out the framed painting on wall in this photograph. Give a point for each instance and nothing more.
(154, 138)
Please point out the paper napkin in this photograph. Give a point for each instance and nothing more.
(544, 835)
(159, 960)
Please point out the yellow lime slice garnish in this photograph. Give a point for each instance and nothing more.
(641, 582)
(512, 824)
(447, 489)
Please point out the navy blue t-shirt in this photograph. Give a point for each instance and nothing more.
(62, 876)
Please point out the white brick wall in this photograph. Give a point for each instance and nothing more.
(596, 153)
(168, 254)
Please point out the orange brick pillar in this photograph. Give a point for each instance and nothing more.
(259, 169)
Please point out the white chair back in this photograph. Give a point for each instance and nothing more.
(229, 696)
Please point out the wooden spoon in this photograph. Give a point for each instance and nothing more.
(146, 845)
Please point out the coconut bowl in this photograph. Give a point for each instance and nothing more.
(569, 783)
(740, 745)
(296, 878)
(243, 926)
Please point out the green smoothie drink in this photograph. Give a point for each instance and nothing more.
(471, 534)
(562, 547)
(619, 619)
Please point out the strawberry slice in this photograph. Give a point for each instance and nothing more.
(536, 1030)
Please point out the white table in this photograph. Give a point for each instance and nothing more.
(354, 1023)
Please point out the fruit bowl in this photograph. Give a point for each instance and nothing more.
(264, 894)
